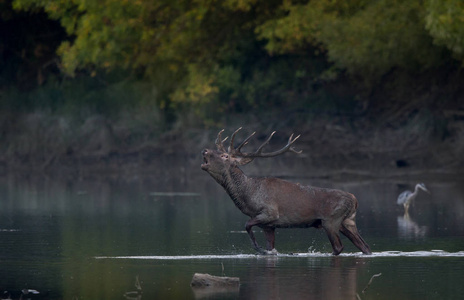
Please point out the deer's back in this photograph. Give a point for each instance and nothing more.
(297, 203)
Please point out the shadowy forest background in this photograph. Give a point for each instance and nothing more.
(371, 86)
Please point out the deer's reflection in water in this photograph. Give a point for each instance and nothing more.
(334, 279)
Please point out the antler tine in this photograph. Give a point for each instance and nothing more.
(258, 151)
(220, 141)
(290, 142)
(237, 150)
(245, 141)
(231, 145)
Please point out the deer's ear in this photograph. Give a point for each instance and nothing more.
(243, 160)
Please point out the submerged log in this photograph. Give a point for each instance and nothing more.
(206, 280)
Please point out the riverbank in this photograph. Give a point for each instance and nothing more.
(333, 146)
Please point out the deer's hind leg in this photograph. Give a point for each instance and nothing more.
(332, 232)
(349, 229)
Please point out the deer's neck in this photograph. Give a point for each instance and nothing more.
(239, 188)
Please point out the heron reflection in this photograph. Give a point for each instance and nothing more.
(407, 197)
(409, 229)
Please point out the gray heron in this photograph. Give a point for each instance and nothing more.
(406, 197)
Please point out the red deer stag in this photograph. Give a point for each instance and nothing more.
(275, 203)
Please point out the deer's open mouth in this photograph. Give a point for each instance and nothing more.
(205, 163)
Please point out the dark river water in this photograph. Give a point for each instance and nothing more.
(94, 238)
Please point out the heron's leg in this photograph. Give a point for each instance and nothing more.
(406, 208)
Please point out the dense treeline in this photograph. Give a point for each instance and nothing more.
(230, 53)
(359, 36)
(193, 62)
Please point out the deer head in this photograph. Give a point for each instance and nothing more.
(220, 160)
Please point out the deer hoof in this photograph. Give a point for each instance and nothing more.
(261, 250)
(267, 252)
(272, 252)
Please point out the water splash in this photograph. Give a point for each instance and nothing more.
(431, 253)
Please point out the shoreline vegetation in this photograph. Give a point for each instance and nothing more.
(412, 127)
(333, 145)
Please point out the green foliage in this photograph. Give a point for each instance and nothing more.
(382, 36)
(183, 47)
(366, 38)
(358, 35)
(106, 33)
(211, 57)
(82, 96)
(144, 33)
(445, 22)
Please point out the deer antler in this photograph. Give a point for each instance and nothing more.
(220, 142)
(259, 151)
(236, 152)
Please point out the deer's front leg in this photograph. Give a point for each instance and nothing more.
(269, 233)
(248, 226)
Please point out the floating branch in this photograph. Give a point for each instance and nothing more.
(370, 281)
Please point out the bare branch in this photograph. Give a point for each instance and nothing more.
(370, 281)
